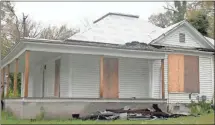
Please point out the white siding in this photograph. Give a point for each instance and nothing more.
(85, 76)
(166, 76)
(172, 39)
(64, 76)
(133, 78)
(181, 97)
(49, 79)
(206, 83)
(37, 81)
(156, 79)
(31, 84)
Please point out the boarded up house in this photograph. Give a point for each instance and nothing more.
(120, 60)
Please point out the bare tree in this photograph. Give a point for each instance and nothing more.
(53, 32)
(162, 19)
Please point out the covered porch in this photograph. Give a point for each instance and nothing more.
(85, 75)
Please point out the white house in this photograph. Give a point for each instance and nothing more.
(120, 60)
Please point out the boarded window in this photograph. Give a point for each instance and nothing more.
(181, 37)
(110, 78)
(183, 73)
(191, 74)
(176, 73)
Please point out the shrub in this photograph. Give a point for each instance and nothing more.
(200, 107)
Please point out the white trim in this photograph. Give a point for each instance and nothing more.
(160, 80)
(94, 51)
(70, 76)
(150, 78)
(13, 54)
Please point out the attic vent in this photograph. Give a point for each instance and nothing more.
(181, 37)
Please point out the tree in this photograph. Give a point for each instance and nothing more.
(174, 13)
(12, 31)
(55, 33)
(162, 19)
(199, 20)
(202, 13)
(179, 10)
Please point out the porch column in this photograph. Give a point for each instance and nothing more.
(15, 78)
(101, 76)
(27, 54)
(162, 78)
(8, 80)
(3, 76)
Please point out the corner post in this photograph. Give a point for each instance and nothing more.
(27, 54)
(101, 76)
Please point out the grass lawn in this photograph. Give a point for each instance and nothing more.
(204, 119)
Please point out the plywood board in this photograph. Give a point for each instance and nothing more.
(191, 74)
(175, 73)
(110, 79)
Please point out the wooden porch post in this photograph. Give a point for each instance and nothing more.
(101, 76)
(162, 77)
(3, 76)
(27, 54)
(15, 78)
(8, 80)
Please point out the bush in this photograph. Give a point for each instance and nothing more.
(201, 107)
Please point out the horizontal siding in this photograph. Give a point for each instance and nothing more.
(31, 84)
(37, 81)
(181, 97)
(22, 84)
(173, 39)
(166, 76)
(206, 84)
(85, 76)
(49, 79)
(156, 79)
(64, 76)
(133, 78)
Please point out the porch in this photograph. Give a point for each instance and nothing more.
(87, 76)
(85, 80)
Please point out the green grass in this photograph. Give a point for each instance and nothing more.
(204, 119)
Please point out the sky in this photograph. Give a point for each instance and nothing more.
(74, 14)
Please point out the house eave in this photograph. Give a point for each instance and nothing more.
(65, 47)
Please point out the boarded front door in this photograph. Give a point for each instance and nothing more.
(110, 88)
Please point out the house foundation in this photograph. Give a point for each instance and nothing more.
(64, 108)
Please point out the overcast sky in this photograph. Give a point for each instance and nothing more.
(74, 13)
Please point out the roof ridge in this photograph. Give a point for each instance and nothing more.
(117, 14)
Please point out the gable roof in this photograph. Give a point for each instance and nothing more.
(119, 28)
(165, 31)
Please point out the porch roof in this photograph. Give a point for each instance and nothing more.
(132, 50)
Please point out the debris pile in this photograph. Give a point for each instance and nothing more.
(131, 114)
